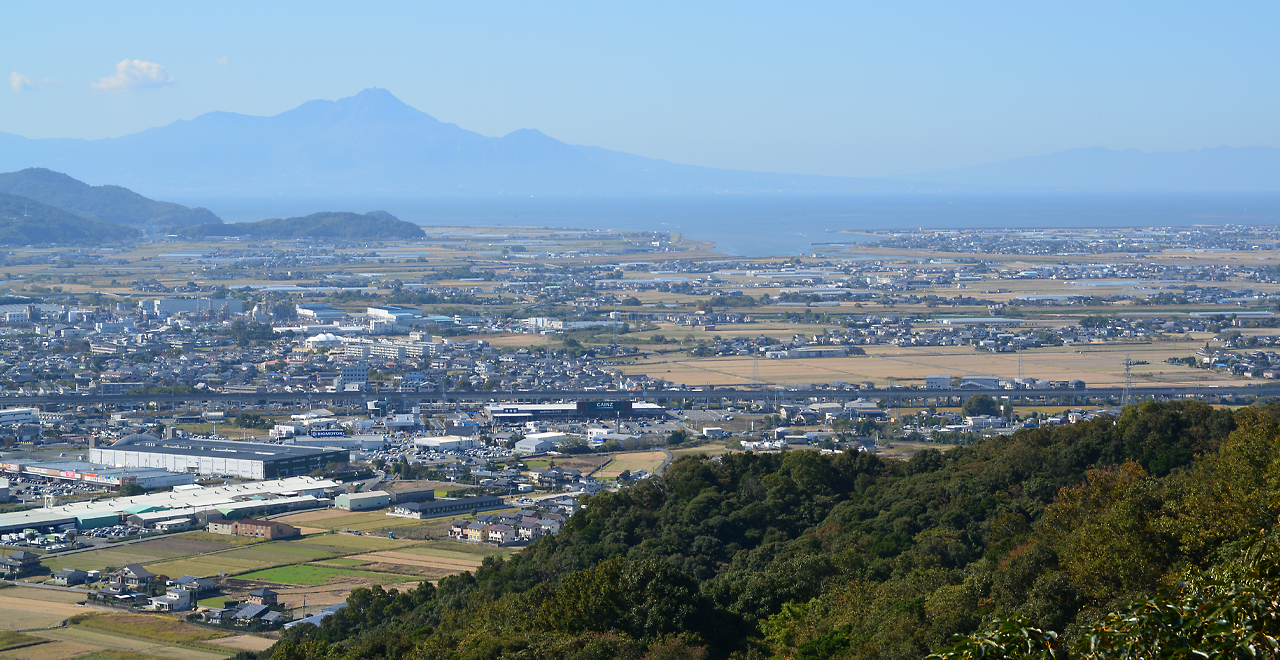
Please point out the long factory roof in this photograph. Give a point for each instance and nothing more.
(254, 451)
(184, 497)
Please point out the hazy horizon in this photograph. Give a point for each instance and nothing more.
(779, 224)
(824, 89)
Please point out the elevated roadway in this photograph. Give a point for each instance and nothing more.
(891, 396)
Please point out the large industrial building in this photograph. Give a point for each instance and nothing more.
(511, 413)
(236, 500)
(251, 460)
(98, 475)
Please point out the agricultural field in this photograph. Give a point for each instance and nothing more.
(18, 612)
(94, 632)
(714, 448)
(1100, 365)
(311, 574)
(646, 460)
(367, 521)
(142, 552)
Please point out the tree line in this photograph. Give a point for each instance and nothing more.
(1070, 541)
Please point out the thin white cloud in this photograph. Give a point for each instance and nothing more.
(134, 74)
(221, 60)
(19, 82)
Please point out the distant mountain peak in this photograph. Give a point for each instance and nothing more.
(373, 143)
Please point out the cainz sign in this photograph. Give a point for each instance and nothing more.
(604, 407)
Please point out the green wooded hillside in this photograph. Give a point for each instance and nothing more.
(28, 222)
(1075, 539)
(105, 203)
(372, 226)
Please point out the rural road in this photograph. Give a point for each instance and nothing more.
(667, 457)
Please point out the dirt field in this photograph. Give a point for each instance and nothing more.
(312, 516)
(1099, 365)
(450, 565)
(97, 640)
(19, 613)
(50, 651)
(648, 460)
(50, 595)
(245, 643)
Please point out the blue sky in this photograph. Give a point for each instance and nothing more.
(840, 88)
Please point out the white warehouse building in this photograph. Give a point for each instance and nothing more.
(20, 416)
(251, 460)
(937, 382)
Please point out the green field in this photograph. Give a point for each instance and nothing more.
(136, 553)
(12, 640)
(310, 574)
(342, 561)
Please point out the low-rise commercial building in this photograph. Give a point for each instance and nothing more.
(251, 528)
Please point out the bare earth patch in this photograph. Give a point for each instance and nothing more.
(24, 613)
(50, 651)
(312, 516)
(406, 559)
(245, 643)
(50, 595)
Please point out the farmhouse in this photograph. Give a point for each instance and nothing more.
(134, 575)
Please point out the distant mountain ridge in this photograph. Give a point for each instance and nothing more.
(373, 143)
(106, 203)
(1224, 169)
(372, 226)
(24, 221)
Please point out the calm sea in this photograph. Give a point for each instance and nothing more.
(767, 225)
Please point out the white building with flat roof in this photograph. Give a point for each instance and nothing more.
(20, 416)
(937, 382)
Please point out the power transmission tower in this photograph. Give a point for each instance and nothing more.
(755, 369)
(1127, 398)
(1019, 364)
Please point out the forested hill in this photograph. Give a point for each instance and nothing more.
(25, 221)
(372, 226)
(106, 203)
(1086, 531)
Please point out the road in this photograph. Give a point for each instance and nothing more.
(702, 394)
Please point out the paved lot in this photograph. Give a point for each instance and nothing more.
(705, 415)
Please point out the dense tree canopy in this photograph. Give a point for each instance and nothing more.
(1050, 539)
